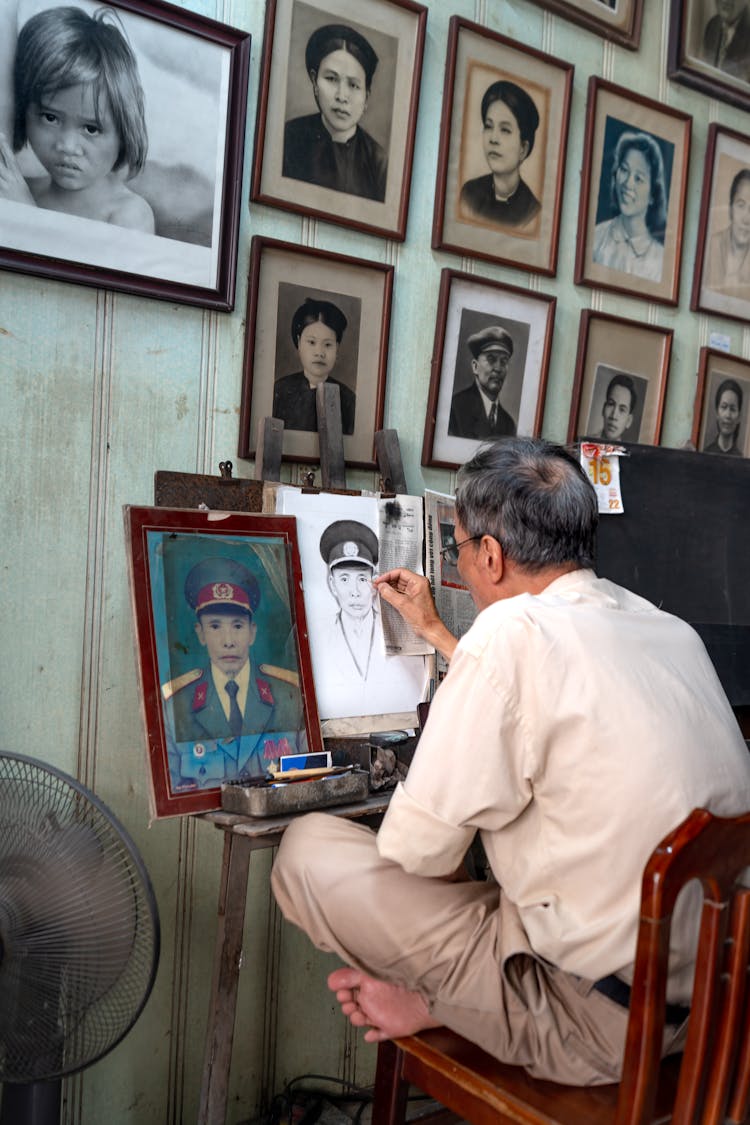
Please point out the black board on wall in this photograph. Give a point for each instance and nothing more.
(683, 542)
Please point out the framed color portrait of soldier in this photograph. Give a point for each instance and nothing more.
(633, 186)
(722, 405)
(617, 20)
(709, 48)
(620, 380)
(489, 366)
(314, 317)
(223, 658)
(337, 110)
(122, 131)
(502, 150)
(721, 283)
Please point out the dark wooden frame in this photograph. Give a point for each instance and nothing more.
(588, 322)
(665, 117)
(735, 367)
(219, 295)
(736, 308)
(142, 523)
(440, 393)
(256, 404)
(387, 219)
(481, 239)
(692, 72)
(627, 36)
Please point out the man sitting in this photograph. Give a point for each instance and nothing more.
(576, 726)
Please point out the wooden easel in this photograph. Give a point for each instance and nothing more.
(270, 440)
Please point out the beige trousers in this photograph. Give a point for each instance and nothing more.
(461, 945)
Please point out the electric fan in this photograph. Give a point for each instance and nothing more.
(79, 935)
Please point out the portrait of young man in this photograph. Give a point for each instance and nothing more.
(617, 405)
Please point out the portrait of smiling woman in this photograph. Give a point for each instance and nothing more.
(330, 148)
(317, 330)
(633, 239)
(510, 120)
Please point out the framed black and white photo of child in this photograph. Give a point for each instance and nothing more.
(337, 110)
(314, 317)
(633, 187)
(502, 150)
(121, 145)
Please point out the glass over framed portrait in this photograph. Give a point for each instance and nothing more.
(489, 366)
(620, 380)
(223, 658)
(314, 317)
(722, 404)
(503, 141)
(126, 176)
(709, 48)
(338, 110)
(633, 186)
(721, 283)
(617, 20)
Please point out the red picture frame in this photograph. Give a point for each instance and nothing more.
(251, 564)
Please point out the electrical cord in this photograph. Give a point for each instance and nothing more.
(311, 1099)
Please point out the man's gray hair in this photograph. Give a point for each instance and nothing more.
(534, 498)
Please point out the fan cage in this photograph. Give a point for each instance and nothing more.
(79, 925)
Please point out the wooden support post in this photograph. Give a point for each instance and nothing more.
(268, 449)
(391, 467)
(330, 436)
(228, 950)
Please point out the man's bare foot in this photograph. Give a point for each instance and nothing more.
(388, 1010)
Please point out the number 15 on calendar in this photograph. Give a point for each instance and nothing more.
(603, 470)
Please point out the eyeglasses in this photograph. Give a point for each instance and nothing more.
(450, 553)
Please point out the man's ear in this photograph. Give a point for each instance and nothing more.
(199, 633)
(492, 556)
(253, 633)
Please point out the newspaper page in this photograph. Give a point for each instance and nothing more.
(452, 598)
(401, 533)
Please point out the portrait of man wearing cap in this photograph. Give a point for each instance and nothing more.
(230, 717)
(476, 411)
(350, 551)
(330, 147)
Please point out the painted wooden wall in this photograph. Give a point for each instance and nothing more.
(98, 391)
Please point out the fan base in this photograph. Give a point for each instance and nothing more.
(31, 1103)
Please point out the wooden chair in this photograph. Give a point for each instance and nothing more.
(709, 1084)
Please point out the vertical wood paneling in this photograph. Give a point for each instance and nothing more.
(98, 392)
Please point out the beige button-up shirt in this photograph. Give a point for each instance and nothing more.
(574, 730)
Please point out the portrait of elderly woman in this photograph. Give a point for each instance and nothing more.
(317, 330)
(330, 148)
(510, 120)
(728, 416)
(728, 269)
(633, 239)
